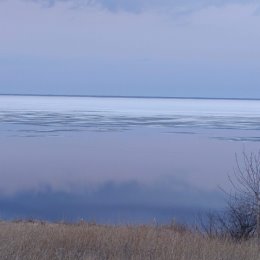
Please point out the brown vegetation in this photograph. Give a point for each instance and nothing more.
(39, 240)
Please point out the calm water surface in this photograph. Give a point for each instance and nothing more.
(119, 159)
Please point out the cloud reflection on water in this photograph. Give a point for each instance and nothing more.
(112, 158)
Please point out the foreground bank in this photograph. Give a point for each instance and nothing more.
(87, 241)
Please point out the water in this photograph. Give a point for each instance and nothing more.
(37, 116)
(119, 159)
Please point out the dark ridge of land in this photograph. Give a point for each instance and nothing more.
(133, 96)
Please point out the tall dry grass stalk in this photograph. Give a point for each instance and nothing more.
(38, 240)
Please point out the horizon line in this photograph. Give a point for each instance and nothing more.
(131, 96)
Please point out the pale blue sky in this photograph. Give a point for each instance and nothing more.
(204, 48)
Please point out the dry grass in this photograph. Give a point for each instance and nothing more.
(36, 240)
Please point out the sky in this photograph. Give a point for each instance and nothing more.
(183, 48)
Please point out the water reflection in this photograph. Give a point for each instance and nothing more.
(119, 159)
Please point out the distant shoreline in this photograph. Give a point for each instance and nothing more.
(133, 97)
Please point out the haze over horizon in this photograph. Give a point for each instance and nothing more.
(130, 48)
